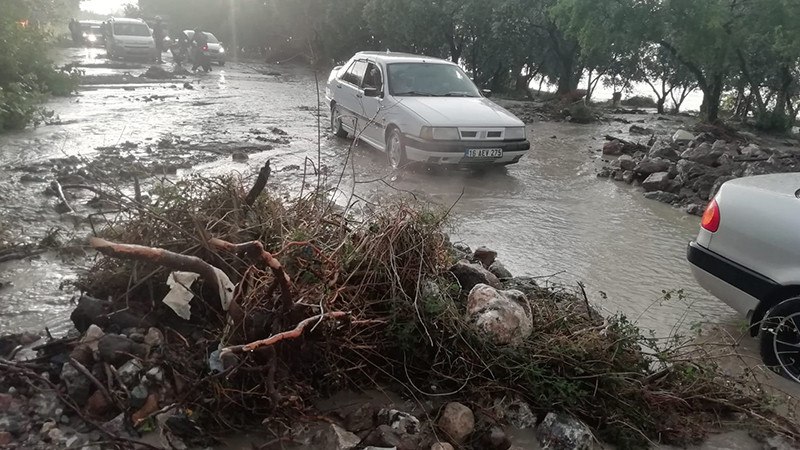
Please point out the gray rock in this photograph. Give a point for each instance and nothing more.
(442, 446)
(673, 170)
(526, 285)
(13, 423)
(605, 172)
(386, 437)
(154, 337)
(504, 317)
(661, 196)
(137, 337)
(613, 148)
(752, 150)
(656, 182)
(663, 150)
(499, 270)
(46, 405)
(689, 170)
(695, 209)
(457, 422)
(518, 414)
(636, 129)
(130, 371)
(725, 159)
(558, 432)
(46, 427)
(718, 184)
(759, 168)
(628, 176)
(240, 156)
(155, 376)
(649, 166)
(78, 386)
(361, 419)
(469, 275)
(626, 162)
(702, 154)
(778, 442)
(618, 175)
(56, 436)
(138, 396)
(116, 349)
(31, 178)
(462, 247)
(485, 256)
(402, 422)
(333, 437)
(682, 137)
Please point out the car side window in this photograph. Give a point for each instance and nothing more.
(355, 73)
(372, 78)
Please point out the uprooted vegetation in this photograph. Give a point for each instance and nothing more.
(351, 301)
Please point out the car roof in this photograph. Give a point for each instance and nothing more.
(90, 22)
(192, 32)
(127, 20)
(394, 57)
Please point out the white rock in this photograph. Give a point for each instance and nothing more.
(334, 437)
(92, 336)
(456, 422)
(505, 317)
(442, 446)
(682, 136)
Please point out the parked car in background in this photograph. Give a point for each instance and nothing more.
(420, 109)
(92, 33)
(129, 38)
(215, 51)
(748, 255)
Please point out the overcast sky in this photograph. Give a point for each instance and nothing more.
(104, 6)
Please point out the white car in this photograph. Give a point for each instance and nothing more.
(748, 255)
(129, 38)
(215, 50)
(421, 109)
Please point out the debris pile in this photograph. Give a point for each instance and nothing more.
(216, 308)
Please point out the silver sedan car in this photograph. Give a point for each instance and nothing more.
(420, 109)
(748, 255)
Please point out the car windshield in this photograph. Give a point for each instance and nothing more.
(131, 29)
(211, 38)
(429, 80)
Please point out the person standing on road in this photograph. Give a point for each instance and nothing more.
(75, 31)
(199, 40)
(158, 36)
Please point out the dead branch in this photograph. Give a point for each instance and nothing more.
(56, 186)
(274, 339)
(82, 186)
(258, 187)
(82, 369)
(256, 250)
(166, 258)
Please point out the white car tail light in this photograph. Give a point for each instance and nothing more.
(711, 217)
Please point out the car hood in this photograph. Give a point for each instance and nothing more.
(781, 184)
(460, 112)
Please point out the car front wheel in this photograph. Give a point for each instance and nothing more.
(779, 337)
(396, 149)
(336, 122)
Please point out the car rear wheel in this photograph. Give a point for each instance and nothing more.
(336, 122)
(396, 149)
(779, 336)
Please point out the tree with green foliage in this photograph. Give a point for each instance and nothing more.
(26, 75)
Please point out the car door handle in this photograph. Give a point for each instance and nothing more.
(359, 95)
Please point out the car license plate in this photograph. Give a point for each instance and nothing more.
(484, 153)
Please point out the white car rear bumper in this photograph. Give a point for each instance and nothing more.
(739, 300)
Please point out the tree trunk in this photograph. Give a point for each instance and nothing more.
(660, 104)
(616, 98)
(712, 93)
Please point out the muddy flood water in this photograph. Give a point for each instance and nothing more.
(548, 216)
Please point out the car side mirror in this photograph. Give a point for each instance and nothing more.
(372, 92)
(486, 92)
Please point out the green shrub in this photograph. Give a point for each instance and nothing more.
(639, 101)
(774, 121)
(581, 113)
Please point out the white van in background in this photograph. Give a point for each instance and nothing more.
(129, 38)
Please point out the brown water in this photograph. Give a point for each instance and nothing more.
(547, 215)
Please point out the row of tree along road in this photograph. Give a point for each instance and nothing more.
(743, 55)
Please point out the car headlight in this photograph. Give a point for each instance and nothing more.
(439, 133)
(91, 38)
(222, 50)
(515, 133)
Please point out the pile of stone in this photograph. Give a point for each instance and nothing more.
(688, 170)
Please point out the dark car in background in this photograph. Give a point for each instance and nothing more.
(92, 33)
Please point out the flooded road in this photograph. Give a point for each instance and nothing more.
(547, 216)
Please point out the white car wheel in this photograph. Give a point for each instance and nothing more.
(395, 149)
